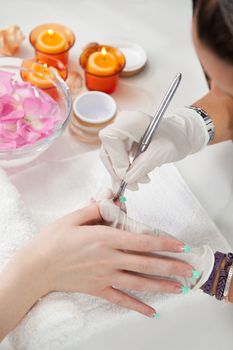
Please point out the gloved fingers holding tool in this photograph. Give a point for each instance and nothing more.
(186, 131)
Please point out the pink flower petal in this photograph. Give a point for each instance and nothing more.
(8, 132)
(5, 82)
(6, 104)
(23, 90)
(7, 145)
(32, 106)
(27, 114)
(14, 115)
(28, 134)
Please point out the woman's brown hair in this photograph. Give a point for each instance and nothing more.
(214, 20)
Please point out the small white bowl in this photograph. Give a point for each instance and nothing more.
(94, 107)
(93, 111)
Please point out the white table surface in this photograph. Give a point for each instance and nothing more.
(163, 29)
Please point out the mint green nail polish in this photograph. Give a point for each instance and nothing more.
(122, 199)
(196, 274)
(187, 248)
(185, 290)
(156, 315)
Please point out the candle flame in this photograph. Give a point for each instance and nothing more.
(50, 32)
(103, 51)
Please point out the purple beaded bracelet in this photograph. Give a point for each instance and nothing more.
(208, 286)
(223, 277)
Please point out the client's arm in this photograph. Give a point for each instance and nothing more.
(72, 256)
(22, 283)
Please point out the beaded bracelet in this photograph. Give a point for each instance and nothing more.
(208, 286)
(222, 278)
(223, 275)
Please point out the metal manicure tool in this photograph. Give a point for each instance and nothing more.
(147, 137)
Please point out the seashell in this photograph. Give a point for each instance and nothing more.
(10, 40)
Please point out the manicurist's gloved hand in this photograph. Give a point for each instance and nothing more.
(177, 136)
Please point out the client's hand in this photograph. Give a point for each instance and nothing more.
(75, 256)
(201, 258)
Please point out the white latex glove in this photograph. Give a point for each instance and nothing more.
(201, 258)
(177, 136)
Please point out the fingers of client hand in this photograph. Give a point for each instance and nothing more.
(124, 279)
(122, 299)
(144, 243)
(154, 265)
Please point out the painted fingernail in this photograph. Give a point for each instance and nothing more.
(185, 290)
(183, 248)
(186, 248)
(150, 313)
(196, 274)
(178, 289)
(122, 199)
(156, 315)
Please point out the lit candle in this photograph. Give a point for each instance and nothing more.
(102, 63)
(50, 41)
(38, 76)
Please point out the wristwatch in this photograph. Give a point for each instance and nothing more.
(208, 121)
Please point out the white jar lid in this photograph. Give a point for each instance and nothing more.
(135, 56)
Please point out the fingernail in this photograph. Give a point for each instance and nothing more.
(122, 199)
(185, 290)
(150, 313)
(182, 289)
(196, 274)
(186, 248)
(178, 289)
(156, 315)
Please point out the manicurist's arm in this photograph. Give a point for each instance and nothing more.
(220, 110)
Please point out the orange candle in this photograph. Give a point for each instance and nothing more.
(52, 40)
(102, 65)
(38, 75)
(41, 75)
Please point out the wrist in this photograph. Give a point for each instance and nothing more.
(220, 279)
(21, 286)
(29, 267)
(210, 127)
(193, 127)
(230, 295)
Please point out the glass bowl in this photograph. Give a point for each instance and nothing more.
(56, 92)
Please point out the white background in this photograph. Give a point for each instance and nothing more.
(163, 29)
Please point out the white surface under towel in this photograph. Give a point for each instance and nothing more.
(63, 320)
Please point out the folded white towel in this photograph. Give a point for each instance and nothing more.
(62, 320)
